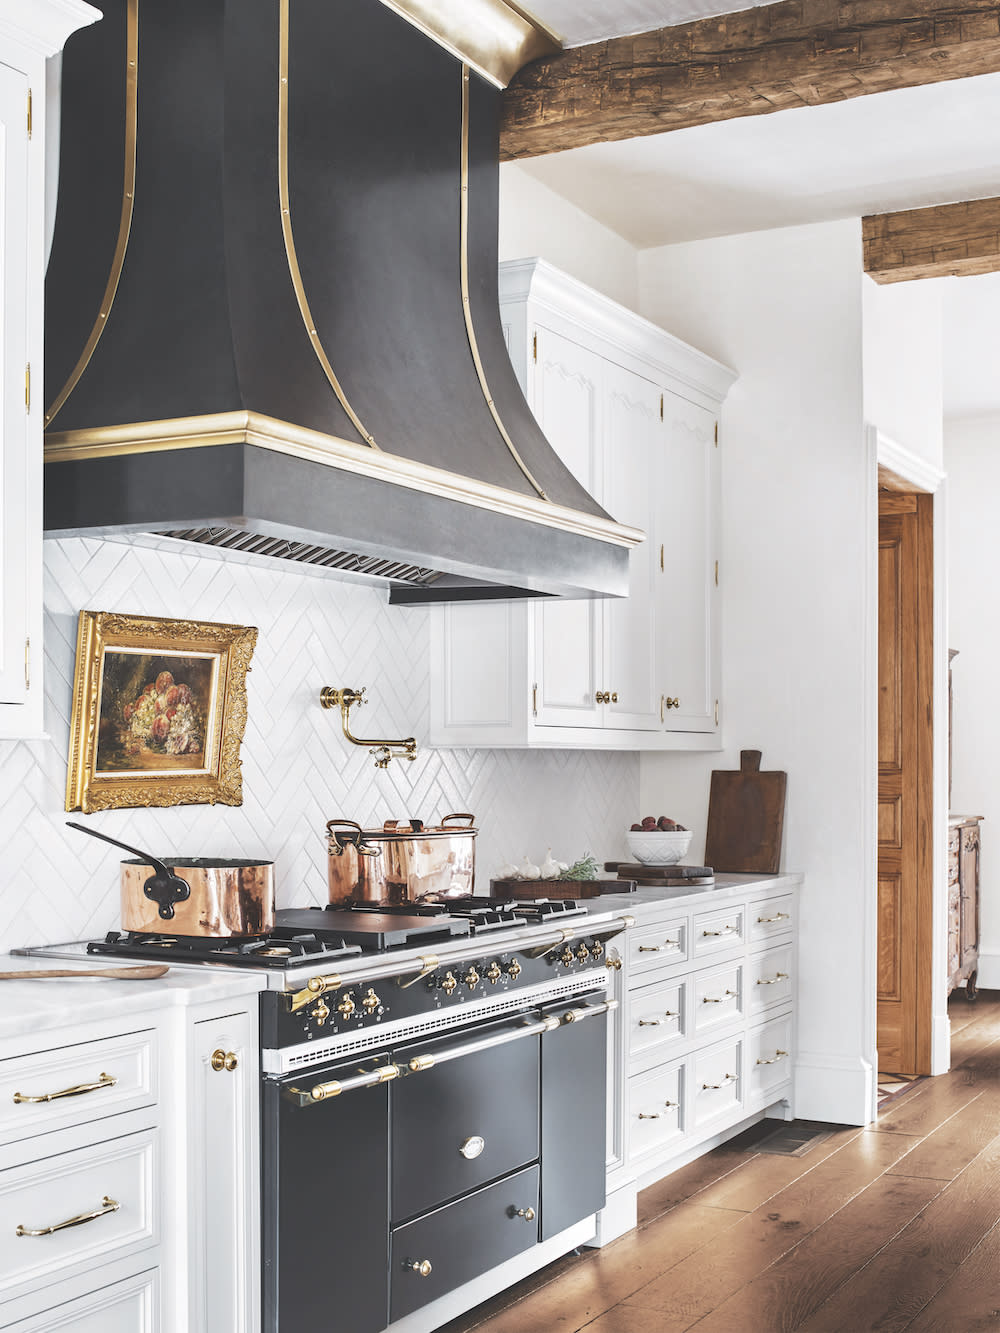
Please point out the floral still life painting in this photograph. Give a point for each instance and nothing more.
(159, 712)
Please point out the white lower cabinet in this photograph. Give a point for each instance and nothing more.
(704, 1041)
(131, 1306)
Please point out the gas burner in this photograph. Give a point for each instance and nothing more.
(281, 947)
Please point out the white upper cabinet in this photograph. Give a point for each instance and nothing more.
(633, 413)
(28, 34)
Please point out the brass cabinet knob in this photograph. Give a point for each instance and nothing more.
(346, 1006)
(471, 978)
(614, 697)
(604, 697)
(420, 1266)
(226, 1060)
(371, 1002)
(514, 969)
(614, 962)
(527, 1213)
(672, 703)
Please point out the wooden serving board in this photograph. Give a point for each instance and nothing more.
(746, 811)
(639, 870)
(513, 889)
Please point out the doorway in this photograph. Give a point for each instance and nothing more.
(906, 842)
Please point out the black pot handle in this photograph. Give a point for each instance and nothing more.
(164, 887)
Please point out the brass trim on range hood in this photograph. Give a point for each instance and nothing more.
(316, 447)
(494, 37)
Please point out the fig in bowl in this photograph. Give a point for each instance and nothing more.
(658, 847)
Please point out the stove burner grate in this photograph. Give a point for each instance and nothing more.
(279, 948)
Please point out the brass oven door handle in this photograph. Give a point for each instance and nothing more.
(420, 1063)
(103, 1081)
(108, 1206)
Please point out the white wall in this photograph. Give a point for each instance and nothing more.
(972, 460)
(785, 309)
(903, 363)
(534, 220)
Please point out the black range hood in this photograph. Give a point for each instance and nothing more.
(271, 303)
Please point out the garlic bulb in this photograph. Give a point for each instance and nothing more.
(528, 871)
(507, 871)
(549, 868)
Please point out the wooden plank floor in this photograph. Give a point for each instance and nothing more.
(896, 1226)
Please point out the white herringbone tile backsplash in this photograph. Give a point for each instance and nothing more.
(298, 771)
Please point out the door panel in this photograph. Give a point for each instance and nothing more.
(905, 758)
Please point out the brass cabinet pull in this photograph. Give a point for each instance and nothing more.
(653, 1115)
(602, 697)
(714, 1087)
(719, 999)
(726, 930)
(107, 1206)
(672, 702)
(770, 920)
(103, 1081)
(671, 946)
(650, 948)
(773, 981)
(226, 1060)
(649, 1022)
(422, 1267)
(778, 1055)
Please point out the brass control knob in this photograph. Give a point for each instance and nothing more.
(583, 953)
(421, 1267)
(493, 973)
(321, 1013)
(371, 1002)
(596, 949)
(471, 978)
(449, 983)
(566, 957)
(514, 969)
(346, 1006)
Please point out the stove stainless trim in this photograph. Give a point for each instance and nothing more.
(366, 1040)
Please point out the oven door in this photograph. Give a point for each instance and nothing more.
(325, 1185)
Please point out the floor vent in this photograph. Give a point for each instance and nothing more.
(795, 1138)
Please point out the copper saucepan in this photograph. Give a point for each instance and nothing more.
(203, 896)
(400, 863)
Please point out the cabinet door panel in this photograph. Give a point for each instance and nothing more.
(568, 392)
(633, 440)
(686, 637)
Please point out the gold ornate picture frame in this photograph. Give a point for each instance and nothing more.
(159, 711)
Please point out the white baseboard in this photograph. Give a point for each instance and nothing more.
(618, 1215)
(941, 1044)
(989, 971)
(837, 1088)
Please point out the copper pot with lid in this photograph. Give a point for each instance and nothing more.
(399, 863)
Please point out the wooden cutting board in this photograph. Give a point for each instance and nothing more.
(746, 810)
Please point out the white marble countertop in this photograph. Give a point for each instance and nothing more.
(724, 888)
(53, 1002)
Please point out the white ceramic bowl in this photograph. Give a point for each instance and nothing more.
(659, 847)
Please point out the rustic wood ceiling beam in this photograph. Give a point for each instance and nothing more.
(768, 58)
(951, 240)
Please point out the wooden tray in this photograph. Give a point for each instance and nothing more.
(512, 889)
(746, 811)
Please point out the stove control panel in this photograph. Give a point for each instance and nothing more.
(440, 986)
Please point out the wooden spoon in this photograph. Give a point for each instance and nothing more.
(121, 973)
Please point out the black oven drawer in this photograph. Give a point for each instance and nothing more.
(463, 1122)
(452, 1245)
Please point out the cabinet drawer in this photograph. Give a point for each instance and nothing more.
(655, 1110)
(715, 932)
(770, 1062)
(718, 997)
(112, 1184)
(771, 917)
(125, 1307)
(462, 1240)
(769, 979)
(84, 1083)
(657, 1019)
(718, 1082)
(652, 946)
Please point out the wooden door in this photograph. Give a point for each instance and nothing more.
(905, 769)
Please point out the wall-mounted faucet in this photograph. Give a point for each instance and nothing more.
(382, 750)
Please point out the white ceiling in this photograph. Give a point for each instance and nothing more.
(885, 152)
